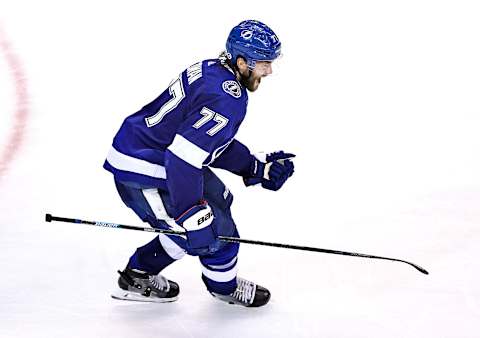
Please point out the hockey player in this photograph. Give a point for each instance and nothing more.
(161, 159)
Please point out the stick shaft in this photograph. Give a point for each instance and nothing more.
(50, 218)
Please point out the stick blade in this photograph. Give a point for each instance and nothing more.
(419, 268)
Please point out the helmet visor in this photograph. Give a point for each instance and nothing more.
(266, 67)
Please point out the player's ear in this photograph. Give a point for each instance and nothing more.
(242, 64)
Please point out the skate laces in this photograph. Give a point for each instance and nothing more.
(245, 291)
(159, 282)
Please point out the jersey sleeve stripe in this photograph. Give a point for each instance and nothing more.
(124, 162)
(188, 151)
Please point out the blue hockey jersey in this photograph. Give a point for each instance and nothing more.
(191, 125)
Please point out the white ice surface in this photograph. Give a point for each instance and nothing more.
(378, 99)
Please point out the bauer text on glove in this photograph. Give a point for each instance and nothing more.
(197, 221)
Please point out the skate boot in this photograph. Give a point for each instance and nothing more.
(247, 294)
(139, 286)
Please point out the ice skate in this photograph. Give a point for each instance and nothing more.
(247, 294)
(137, 285)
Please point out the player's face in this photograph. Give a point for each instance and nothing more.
(262, 69)
(251, 78)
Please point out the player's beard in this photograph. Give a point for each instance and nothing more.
(250, 82)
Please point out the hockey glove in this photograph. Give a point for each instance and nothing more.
(201, 237)
(271, 173)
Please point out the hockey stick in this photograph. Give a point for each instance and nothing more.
(50, 218)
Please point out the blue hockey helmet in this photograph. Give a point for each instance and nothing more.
(254, 41)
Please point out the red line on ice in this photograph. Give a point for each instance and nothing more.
(21, 111)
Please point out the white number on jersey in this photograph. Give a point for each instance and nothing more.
(209, 115)
(178, 94)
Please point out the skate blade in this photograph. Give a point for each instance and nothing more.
(132, 296)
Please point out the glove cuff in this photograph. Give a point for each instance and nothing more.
(248, 181)
(202, 239)
(257, 168)
(197, 217)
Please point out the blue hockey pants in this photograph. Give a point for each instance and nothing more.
(219, 270)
